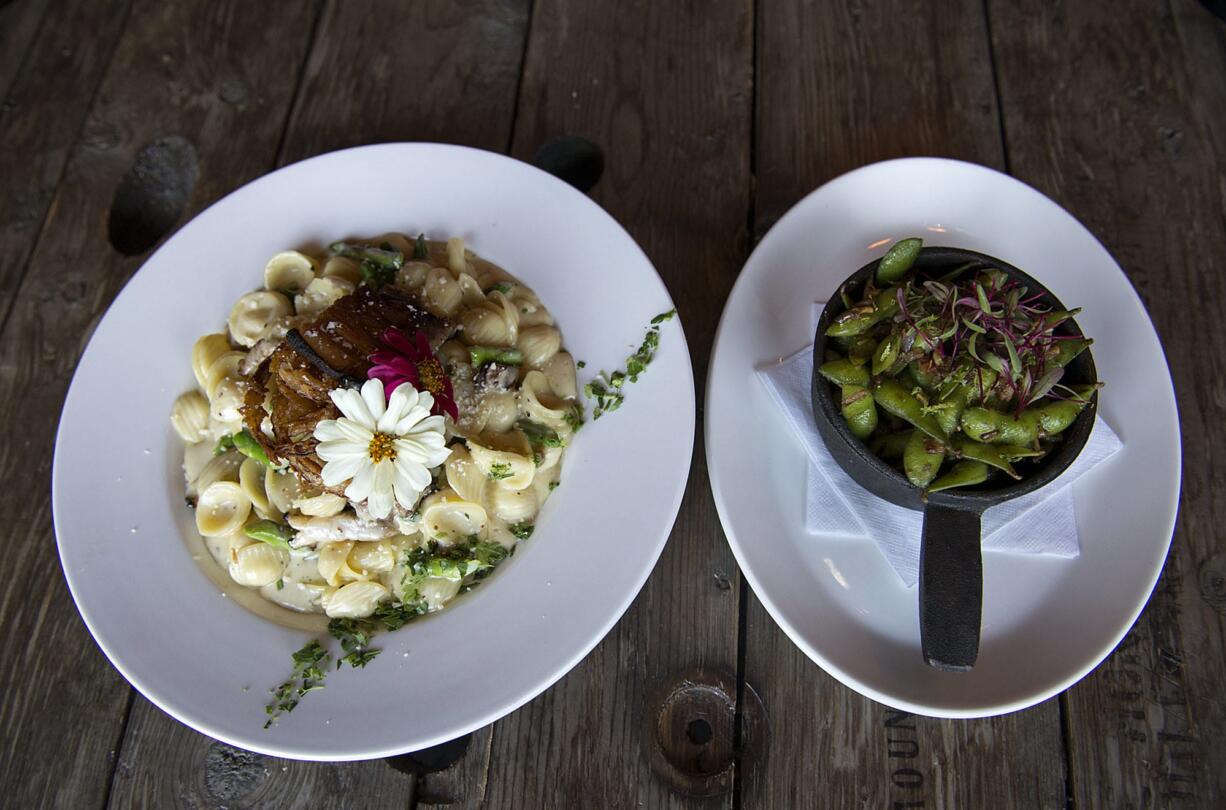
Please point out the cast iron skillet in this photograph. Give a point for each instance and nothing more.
(951, 567)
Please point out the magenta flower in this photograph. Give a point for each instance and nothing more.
(407, 362)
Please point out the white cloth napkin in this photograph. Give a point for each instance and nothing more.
(1042, 522)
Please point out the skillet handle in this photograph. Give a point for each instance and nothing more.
(950, 587)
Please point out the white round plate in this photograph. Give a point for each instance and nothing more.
(1046, 622)
(125, 537)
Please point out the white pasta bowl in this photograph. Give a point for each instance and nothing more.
(127, 541)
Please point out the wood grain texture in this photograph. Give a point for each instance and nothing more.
(664, 90)
(62, 702)
(345, 99)
(191, 770)
(46, 95)
(1125, 130)
(842, 84)
(19, 22)
(833, 94)
(393, 71)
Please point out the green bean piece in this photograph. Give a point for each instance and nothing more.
(859, 410)
(270, 532)
(986, 453)
(844, 372)
(922, 458)
(246, 444)
(1055, 417)
(962, 474)
(896, 399)
(1067, 351)
(861, 349)
(890, 446)
(992, 426)
(887, 351)
(480, 355)
(898, 260)
(860, 319)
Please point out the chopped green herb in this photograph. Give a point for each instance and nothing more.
(574, 417)
(480, 355)
(581, 364)
(354, 636)
(398, 614)
(501, 287)
(280, 584)
(522, 530)
(500, 470)
(310, 668)
(223, 444)
(270, 532)
(539, 434)
(553, 485)
(606, 391)
(421, 248)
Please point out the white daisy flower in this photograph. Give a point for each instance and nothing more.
(384, 447)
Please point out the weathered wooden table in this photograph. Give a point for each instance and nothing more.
(714, 117)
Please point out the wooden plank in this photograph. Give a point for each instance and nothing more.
(1131, 143)
(187, 769)
(48, 76)
(429, 71)
(19, 23)
(834, 94)
(63, 706)
(348, 96)
(664, 90)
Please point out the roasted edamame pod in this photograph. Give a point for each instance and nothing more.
(963, 474)
(859, 410)
(844, 372)
(992, 426)
(860, 349)
(860, 319)
(1067, 351)
(1057, 416)
(898, 260)
(986, 453)
(896, 399)
(890, 446)
(922, 458)
(887, 351)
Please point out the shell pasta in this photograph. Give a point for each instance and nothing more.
(376, 428)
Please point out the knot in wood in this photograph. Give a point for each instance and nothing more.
(1212, 581)
(691, 730)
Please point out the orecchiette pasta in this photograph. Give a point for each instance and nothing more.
(290, 272)
(538, 345)
(503, 386)
(343, 267)
(254, 314)
(222, 508)
(448, 518)
(320, 294)
(442, 294)
(257, 565)
(205, 353)
(357, 600)
(493, 322)
(190, 416)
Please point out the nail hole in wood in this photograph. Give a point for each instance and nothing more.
(571, 158)
(690, 727)
(153, 194)
(699, 731)
(431, 760)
